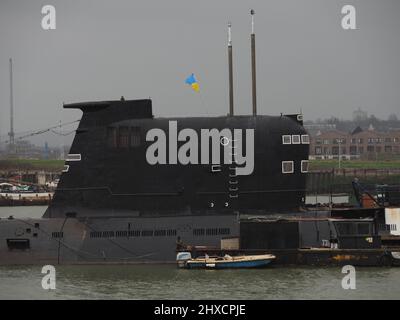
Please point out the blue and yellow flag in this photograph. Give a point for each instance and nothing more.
(191, 80)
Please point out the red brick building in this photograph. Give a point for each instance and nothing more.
(366, 144)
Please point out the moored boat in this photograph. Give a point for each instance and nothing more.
(206, 262)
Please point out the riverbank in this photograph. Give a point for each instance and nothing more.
(31, 165)
(57, 165)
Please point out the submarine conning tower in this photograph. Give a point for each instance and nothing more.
(108, 174)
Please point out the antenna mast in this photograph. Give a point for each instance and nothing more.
(253, 63)
(11, 133)
(230, 64)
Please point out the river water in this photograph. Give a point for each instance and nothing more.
(168, 282)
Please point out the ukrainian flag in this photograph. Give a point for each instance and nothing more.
(191, 80)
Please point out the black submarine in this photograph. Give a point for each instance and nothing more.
(112, 205)
(136, 188)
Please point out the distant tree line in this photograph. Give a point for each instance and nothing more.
(362, 120)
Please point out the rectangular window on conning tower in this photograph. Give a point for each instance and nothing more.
(123, 137)
(135, 137)
(304, 166)
(295, 139)
(305, 139)
(286, 139)
(287, 166)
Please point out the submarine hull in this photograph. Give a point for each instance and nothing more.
(108, 240)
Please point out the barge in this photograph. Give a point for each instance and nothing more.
(353, 235)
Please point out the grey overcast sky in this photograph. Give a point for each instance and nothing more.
(103, 49)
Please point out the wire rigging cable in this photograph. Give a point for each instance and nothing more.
(50, 129)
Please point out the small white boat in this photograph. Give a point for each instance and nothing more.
(185, 260)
